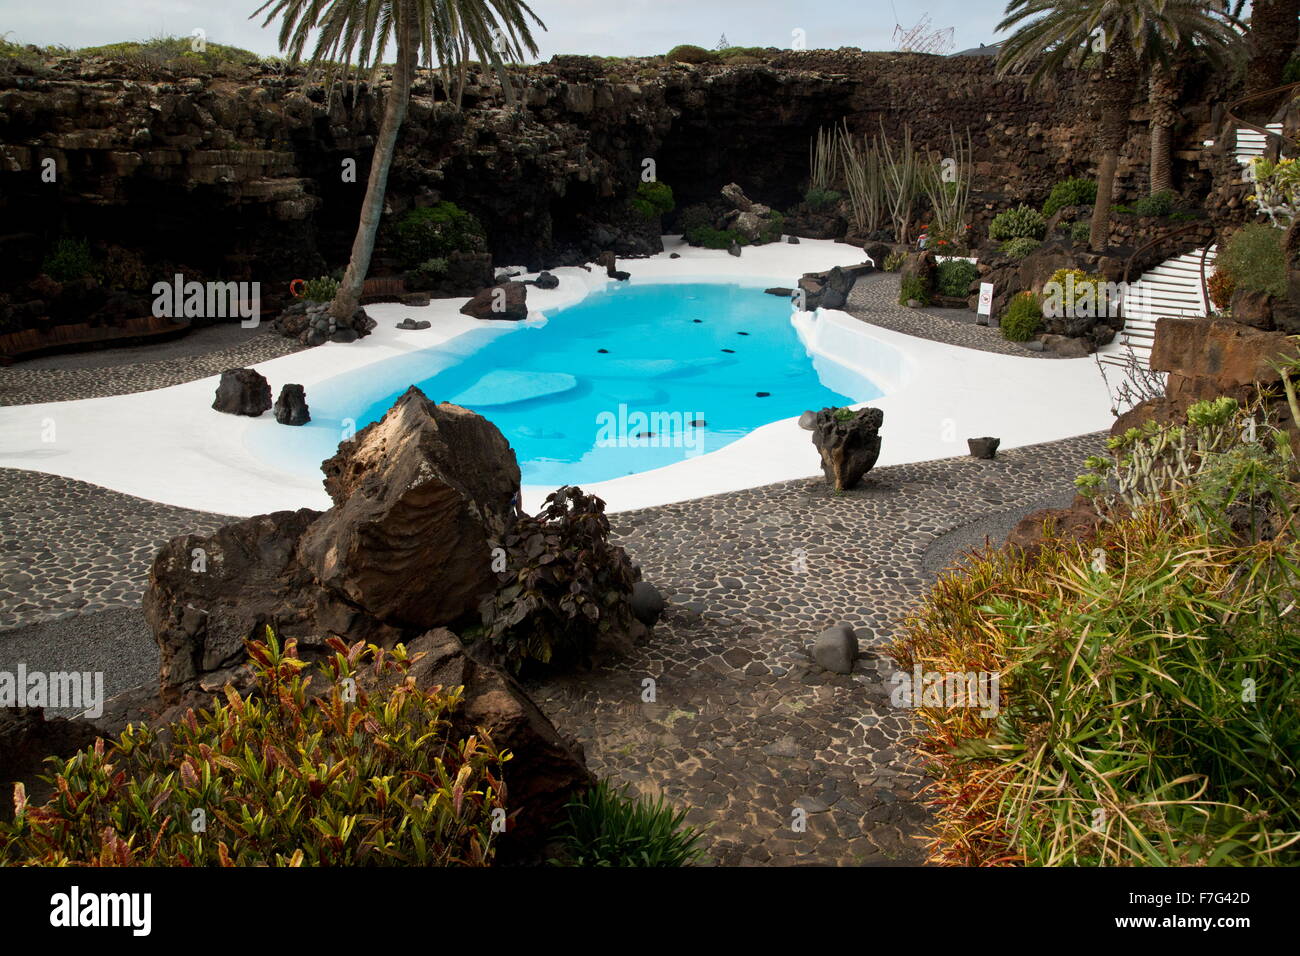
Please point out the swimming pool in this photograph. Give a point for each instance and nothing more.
(632, 378)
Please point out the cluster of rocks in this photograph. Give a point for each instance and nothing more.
(848, 442)
(312, 324)
(245, 391)
(830, 289)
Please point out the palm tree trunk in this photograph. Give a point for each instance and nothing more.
(1164, 115)
(372, 207)
(1114, 99)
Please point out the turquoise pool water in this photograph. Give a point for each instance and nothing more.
(630, 379)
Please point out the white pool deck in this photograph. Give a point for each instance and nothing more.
(170, 446)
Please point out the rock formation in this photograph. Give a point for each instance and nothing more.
(242, 391)
(291, 406)
(849, 444)
(508, 301)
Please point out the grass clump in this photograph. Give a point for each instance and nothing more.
(1070, 192)
(894, 261)
(1022, 319)
(1149, 675)
(607, 827)
(177, 54)
(1255, 260)
(913, 288)
(283, 777)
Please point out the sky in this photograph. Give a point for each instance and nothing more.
(600, 27)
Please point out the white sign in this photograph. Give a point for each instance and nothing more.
(986, 298)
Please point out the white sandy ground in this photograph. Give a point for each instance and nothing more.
(169, 445)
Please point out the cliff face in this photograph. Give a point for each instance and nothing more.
(242, 177)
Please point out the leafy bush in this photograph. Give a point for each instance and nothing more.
(432, 232)
(1291, 73)
(819, 200)
(913, 288)
(694, 218)
(1160, 205)
(1070, 192)
(653, 200)
(1221, 287)
(1148, 683)
(1080, 233)
(323, 289)
(606, 827)
(174, 53)
(284, 777)
(564, 585)
(894, 261)
(773, 228)
(69, 259)
(711, 238)
(1255, 259)
(689, 53)
(955, 277)
(1019, 248)
(1068, 287)
(428, 273)
(745, 54)
(1022, 319)
(1023, 222)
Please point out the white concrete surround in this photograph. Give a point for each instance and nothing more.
(169, 445)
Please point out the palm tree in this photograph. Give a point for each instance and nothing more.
(1134, 35)
(354, 34)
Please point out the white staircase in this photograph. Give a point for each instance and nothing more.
(1251, 143)
(1172, 288)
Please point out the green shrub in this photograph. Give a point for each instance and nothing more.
(1080, 233)
(1070, 192)
(1148, 679)
(653, 200)
(432, 232)
(428, 272)
(744, 54)
(607, 827)
(1159, 205)
(711, 238)
(773, 228)
(694, 218)
(69, 259)
(1023, 222)
(689, 53)
(563, 587)
(819, 200)
(1019, 248)
(1291, 74)
(283, 777)
(1255, 259)
(894, 261)
(323, 289)
(955, 277)
(174, 53)
(1022, 319)
(913, 287)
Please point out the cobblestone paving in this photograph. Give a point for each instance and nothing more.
(874, 300)
(67, 547)
(29, 386)
(745, 730)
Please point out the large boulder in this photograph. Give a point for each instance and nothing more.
(1209, 358)
(414, 496)
(508, 301)
(242, 391)
(27, 737)
(921, 266)
(756, 222)
(848, 444)
(291, 406)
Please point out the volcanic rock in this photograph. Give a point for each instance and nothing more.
(242, 391)
(291, 406)
(508, 301)
(849, 447)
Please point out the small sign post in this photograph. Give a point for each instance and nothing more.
(986, 302)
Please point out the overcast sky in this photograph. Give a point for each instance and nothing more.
(603, 27)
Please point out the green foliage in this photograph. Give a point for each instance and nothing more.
(819, 200)
(711, 238)
(844, 414)
(563, 587)
(1022, 319)
(1148, 674)
(432, 232)
(894, 261)
(608, 827)
(773, 228)
(745, 54)
(122, 269)
(323, 289)
(1070, 192)
(1255, 259)
(1160, 205)
(176, 54)
(695, 218)
(913, 287)
(689, 53)
(1080, 233)
(1023, 222)
(955, 276)
(653, 200)
(1291, 74)
(284, 777)
(428, 272)
(1019, 248)
(69, 259)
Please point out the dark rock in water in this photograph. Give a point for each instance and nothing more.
(411, 325)
(836, 648)
(784, 293)
(985, 448)
(291, 406)
(697, 321)
(698, 423)
(645, 434)
(742, 333)
(242, 391)
(830, 290)
(545, 280)
(792, 240)
(508, 302)
(848, 446)
(647, 603)
(730, 351)
(762, 394)
(734, 249)
(603, 351)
